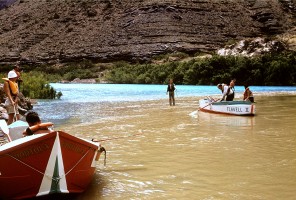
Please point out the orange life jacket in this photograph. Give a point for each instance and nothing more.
(12, 86)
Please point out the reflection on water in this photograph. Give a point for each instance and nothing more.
(155, 151)
(225, 120)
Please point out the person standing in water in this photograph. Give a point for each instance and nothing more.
(231, 87)
(11, 91)
(18, 70)
(171, 91)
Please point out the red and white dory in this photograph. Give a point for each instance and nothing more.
(45, 163)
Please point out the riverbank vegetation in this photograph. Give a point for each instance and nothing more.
(269, 69)
(35, 85)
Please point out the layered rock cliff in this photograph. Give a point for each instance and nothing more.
(53, 31)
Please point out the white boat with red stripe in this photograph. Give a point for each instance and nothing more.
(241, 108)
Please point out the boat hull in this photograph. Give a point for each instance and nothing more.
(45, 164)
(241, 108)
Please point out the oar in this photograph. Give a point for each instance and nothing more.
(209, 104)
(4, 128)
(193, 114)
(14, 117)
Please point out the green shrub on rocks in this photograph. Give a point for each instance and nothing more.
(36, 86)
(269, 69)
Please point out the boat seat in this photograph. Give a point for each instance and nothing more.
(16, 129)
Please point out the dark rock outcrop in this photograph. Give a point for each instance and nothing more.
(23, 102)
(6, 3)
(56, 31)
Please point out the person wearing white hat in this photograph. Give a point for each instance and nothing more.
(11, 91)
(227, 92)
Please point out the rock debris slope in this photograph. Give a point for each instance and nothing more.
(53, 31)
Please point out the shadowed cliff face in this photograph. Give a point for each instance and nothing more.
(6, 3)
(35, 31)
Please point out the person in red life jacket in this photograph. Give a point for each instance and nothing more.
(226, 92)
(35, 125)
(171, 91)
(248, 94)
(11, 91)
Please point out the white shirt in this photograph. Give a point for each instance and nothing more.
(225, 90)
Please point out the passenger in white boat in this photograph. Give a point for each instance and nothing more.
(35, 125)
(227, 92)
(248, 94)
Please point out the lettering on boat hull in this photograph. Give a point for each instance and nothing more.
(36, 149)
(234, 109)
(238, 109)
(72, 147)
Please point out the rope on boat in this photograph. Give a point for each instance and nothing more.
(26, 164)
(77, 163)
(56, 179)
(102, 149)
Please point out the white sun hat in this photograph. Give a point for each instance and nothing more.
(12, 74)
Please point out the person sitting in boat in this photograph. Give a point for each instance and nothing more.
(227, 92)
(248, 94)
(35, 125)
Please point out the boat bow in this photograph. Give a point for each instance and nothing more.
(43, 164)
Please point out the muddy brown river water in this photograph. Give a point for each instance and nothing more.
(155, 151)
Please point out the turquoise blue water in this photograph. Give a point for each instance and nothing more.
(128, 92)
(82, 103)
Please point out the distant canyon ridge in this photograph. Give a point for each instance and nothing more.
(58, 31)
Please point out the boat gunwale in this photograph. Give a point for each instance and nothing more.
(224, 113)
(25, 141)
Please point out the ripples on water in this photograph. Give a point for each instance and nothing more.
(155, 151)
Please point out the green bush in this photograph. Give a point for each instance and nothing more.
(269, 69)
(36, 86)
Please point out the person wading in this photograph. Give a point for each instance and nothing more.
(171, 91)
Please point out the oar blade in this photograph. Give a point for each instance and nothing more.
(193, 114)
